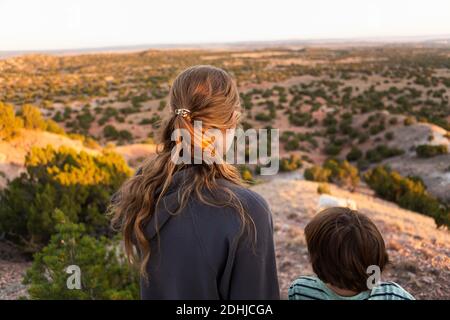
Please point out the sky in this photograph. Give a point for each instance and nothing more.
(70, 24)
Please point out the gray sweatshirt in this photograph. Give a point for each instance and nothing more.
(197, 254)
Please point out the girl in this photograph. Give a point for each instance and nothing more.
(194, 230)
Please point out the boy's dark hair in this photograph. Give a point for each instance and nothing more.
(342, 243)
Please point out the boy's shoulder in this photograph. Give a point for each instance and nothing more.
(389, 291)
(306, 279)
(312, 288)
(307, 288)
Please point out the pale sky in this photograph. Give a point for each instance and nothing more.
(63, 24)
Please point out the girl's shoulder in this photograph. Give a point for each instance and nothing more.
(252, 201)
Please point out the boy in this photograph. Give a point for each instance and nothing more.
(346, 250)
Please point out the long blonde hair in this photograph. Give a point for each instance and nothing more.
(211, 96)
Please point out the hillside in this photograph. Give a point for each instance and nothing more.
(419, 253)
(434, 171)
(326, 101)
(12, 153)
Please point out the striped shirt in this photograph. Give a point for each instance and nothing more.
(312, 288)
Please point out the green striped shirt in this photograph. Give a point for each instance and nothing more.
(312, 288)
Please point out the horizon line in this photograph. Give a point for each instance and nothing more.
(208, 44)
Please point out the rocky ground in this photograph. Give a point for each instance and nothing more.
(420, 253)
(12, 270)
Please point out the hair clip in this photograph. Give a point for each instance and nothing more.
(182, 112)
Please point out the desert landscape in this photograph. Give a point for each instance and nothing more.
(365, 123)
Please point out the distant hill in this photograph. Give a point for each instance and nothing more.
(431, 41)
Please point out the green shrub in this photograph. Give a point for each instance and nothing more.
(292, 144)
(286, 135)
(263, 117)
(428, 150)
(267, 93)
(125, 135)
(156, 121)
(32, 117)
(246, 174)
(342, 173)
(29, 117)
(145, 121)
(362, 164)
(290, 164)
(67, 112)
(53, 127)
(409, 193)
(409, 121)
(79, 184)
(317, 173)
(105, 273)
(375, 129)
(355, 154)
(162, 105)
(333, 149)
(10, 125)
(331, 130)
(85, 120)
(329, 120)
(323, 188)
(363, 138)
(299, 118)
(389, 136)
(91, 143)
(393, 121)
(110, 132)
(382, 152)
